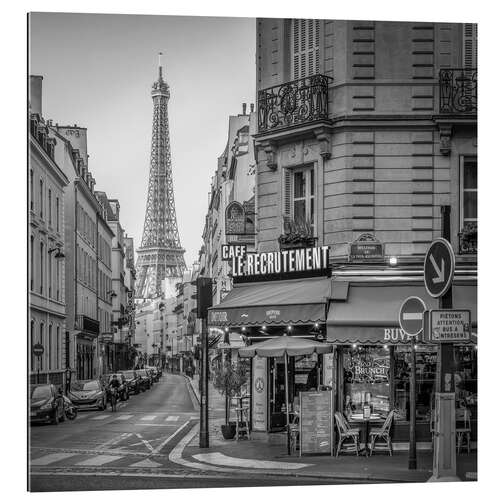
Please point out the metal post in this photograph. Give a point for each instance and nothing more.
(286, 403)
(204, 434)
(412, 454)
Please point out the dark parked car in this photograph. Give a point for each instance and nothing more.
(123, 389)
(88, 394)
(46, 404)
(145, 376)
(134, 383)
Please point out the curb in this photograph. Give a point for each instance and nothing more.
(192, 390)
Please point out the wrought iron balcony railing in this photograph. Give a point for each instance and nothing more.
(87, 324)
(467, 239)
(292, 103)
(458, 91)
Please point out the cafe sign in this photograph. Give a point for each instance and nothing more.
(366, 248)
(294, 260)
(449, 325)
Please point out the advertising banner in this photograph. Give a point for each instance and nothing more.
(259, 394)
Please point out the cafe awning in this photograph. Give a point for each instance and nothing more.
(273, 303)
(367, 313)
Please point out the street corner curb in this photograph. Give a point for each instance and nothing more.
(192, 390)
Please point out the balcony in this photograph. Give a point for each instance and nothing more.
(86, 324)
(293, 103)
(458, 91)
(467, 239)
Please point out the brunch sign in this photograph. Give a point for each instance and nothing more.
(293, 260)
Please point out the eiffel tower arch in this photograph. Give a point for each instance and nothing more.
(160, 255)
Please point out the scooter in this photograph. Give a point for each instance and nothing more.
(70, 409)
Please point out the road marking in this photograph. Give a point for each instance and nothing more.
(99, 460)
(146, 463)
(410, 316)
(51, 458)
(172, 418)
(124, 417)
(218, 458)
(100, 417)
(169, 438)
(114, 440)
(145, 443)
(149, 417)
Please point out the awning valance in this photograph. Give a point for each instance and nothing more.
(369, 315)
(273, 303)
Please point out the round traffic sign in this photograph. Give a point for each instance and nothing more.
(38, 350)
(411, 316)
(439, 266)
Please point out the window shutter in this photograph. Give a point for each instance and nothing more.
(287, 195)
(470, 45)
(304, 47)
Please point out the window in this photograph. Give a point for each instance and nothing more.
(304, 47)
(41, 198)
(40, 362)
(32, 343)
(32, 192)
(58, 348)
(470, 45)
(299, 195)
(58, 228)
(49, 274)
(468, 183)
(58, 280)
(41, 266)
(50, 207)
(49, 350)
(32, 262)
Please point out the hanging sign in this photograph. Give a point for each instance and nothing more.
(259, 393)
(235, 218)
(283, 262)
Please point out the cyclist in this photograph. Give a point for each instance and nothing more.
(113, 388)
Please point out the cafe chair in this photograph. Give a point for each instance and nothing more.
(345, 433)
(382, 435)
(463, 429)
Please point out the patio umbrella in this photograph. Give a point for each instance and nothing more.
(284, 346)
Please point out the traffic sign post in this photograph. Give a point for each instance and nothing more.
(411, 321)
(38, 351)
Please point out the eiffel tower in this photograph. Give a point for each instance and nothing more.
(160, 255)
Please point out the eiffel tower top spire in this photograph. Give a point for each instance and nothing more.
(160, 255)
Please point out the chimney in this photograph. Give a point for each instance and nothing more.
(251, 107)
(36, 94)
(244, 108)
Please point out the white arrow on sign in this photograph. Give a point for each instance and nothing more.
(439, 272)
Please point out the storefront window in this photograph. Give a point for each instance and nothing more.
(366, 379)
(466, 377)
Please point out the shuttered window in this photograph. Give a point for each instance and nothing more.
(299, 195)
(469, 190)
(470, 45)
(304, 47)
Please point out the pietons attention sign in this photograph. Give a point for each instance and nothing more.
(290, 261)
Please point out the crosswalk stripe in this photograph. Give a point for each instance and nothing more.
(149, 417)
(51, 458)
(100, 460)
(100, 417)
(124, 417)
(172, 418)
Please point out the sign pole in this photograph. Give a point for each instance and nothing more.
(412, 452)
(204, 441)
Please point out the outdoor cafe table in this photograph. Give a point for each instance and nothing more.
(358, 418)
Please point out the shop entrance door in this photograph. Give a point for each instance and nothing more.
(277, 417)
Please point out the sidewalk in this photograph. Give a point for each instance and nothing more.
(267, 453)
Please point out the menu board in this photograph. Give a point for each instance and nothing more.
(316, 430)
(259, 394)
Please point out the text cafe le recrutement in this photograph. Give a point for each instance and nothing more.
(245, 263)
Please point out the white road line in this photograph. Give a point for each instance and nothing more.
(172, 418)
(100, 417)
(99, 460)
(114, 440)
(217, 458)
(51, 458)
(124, 417)
(146, 443)
(169, 438)
(149, 417)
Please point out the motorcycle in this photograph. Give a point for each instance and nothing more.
(70, 409)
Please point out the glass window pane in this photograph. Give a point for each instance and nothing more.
(470, 205)
(312, 182)
(299, 185)
(311, 213)
(470, 175)
(299, 210)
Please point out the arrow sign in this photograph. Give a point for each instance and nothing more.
(411, 316)
(439, 267)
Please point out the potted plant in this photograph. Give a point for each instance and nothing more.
(228, 379)
(297, 233)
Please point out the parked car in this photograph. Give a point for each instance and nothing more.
(123, 389)
(88, 394)
(46, 404)
(145, 376)
(134, 383)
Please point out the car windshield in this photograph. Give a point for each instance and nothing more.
(41, 392)
(92, 385)
(128, 374)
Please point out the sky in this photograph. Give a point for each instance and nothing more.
(97, 73)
